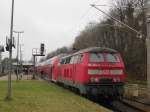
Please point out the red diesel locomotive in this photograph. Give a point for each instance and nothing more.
(93, 71)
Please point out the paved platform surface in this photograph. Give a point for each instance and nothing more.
(24, 77)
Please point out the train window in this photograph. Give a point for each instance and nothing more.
(80, 58)
(75, 59)
(65, 61)
(72, 60)
(48, 62)
(68, 60)
(62, 61)
(96, 57)
(112, 58)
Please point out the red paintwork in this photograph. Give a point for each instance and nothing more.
(78, 73)
(49, 68)
(74, 72)
(106, 67)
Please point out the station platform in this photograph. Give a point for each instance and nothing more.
(13, 77)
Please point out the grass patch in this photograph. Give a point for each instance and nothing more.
(37, 96)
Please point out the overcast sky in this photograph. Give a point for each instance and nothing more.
(53, 22)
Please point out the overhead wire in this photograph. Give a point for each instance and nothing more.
(78, 24)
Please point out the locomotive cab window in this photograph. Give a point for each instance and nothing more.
(72, 60)
(76, 59)
(80, 58)
(68, 60)
(62, 61)
(96, 57)
(112, 58)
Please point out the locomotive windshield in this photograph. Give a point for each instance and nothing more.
(101, 57)
(112, 58)
(96, 57)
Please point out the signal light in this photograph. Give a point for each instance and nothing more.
(42, 49)
(13, 42)
(7, 48)
(1, 48)
(10, 43)
(7, 43)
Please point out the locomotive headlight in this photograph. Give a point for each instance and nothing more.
(116, 79)
(94, 71)
(116, 72)
(94, 79)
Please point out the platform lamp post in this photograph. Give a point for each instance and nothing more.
(1, 50)
(9, 94)
(18, 32)
(21, 57)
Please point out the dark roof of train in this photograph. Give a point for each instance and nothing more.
(97, 49)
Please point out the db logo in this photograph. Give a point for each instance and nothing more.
(105, 71)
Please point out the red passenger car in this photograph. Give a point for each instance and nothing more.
(49, 68)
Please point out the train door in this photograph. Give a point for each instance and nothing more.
(50, 72)
(55, 70)
(76, 67)
(53, 73)
(72, 69)
(68, 69)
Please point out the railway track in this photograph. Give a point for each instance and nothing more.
(123, 105)
(128, 105)
(120, 106)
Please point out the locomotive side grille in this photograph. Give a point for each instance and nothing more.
(106, 80)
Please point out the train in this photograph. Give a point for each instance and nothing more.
(95, 71)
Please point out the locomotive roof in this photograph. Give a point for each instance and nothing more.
(93, 49)
(97, 49)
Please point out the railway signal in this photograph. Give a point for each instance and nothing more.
(42, 49)
(2, 49)
(37, 52)
(8, 43)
